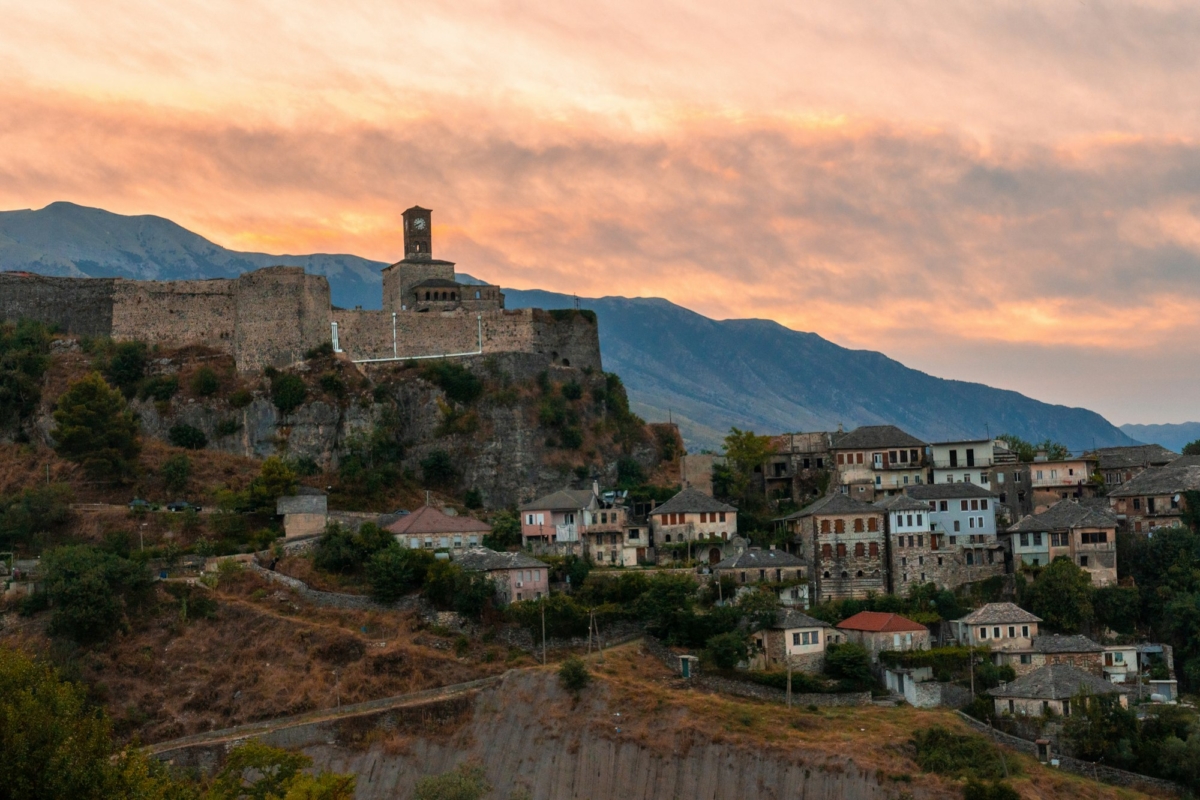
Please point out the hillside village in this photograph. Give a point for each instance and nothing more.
(506, 494)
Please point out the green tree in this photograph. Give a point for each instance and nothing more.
(465, 782)
(458, 382)
(24, 358)
(1100, 728)
(726, 650)
(745, 452)
(288, 392)
(394, 572)
(175, 472)
(187, 436)
(33, 511)
(760, 608)
(1192, 448)
(849, 663)
(256, 771)
(573, 675)
(1061, 595)
(127, 366)
(275, 479)
(438, 469)
(56, 746)
(1116, 607)
(441, 581)
(205, 382)
(91, 592)
(95, 429)
(665, 604)
(506, 531)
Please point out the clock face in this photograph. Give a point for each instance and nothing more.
(419, 223)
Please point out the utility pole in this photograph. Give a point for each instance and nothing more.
(544, 635)
(788, 658)
(972, 670)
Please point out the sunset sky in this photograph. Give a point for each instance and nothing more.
(1001, 192)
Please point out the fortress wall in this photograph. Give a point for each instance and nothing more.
(281, 312)
(175, 312)
(81, 306)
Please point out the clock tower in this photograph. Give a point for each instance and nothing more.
(418, 236)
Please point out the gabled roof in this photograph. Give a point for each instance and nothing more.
(872, 436)
(428, 519)
(879, 622)
(998, 613)
(1065, 644)
(562, 500)
(1181, 475)
(691, 501)
(1067, 515)
(1139, 455)
(947, 491)
(901, 502)
(1056, 682)
(787, 618)
(836, 503)
(483, 559)
(759, 559)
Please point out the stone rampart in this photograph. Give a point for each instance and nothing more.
(80, 306)
(175, 312)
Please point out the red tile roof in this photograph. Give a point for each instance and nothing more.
(428, 519)
(879, 622)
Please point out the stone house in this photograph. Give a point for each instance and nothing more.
(692, 516)
(1119, 465)
(877, 461)
(796, 465)
(305, 513)
(1051, 690)
(1083, 531)
(1157, 497)
(962, 518)
(793, 637)
(1077, 651)
(1012, 482)
(779, 570)
(999, 626)
(430, 528)
(518, 576)
(844, 544)
(878, 631)
(1052, 481)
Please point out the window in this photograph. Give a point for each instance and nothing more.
(874, 549)
(920, 540)
(911, 539)
(1025, 631)
(1024, 540)
(999, 477)
(963, 505)
(529, 519)
(970, 558)
(995, 633)
(839, 526)
(820, 463)
(841, 458)
(796, 639)
(824, 526)
(970, 522)
(859, 550)
(903, 456)
(859, 457)
(1025, 659)
(858, 525)
(909, 522)
(983, 633)
(892, 457)
(722, 516)
(1012, 631)
(983, 505)
(913, 456)
(957, 525)
(1099, 537)
(1137, 503)
(943, 506)
(1119, 658)
(1038, 475)
(872, 524)
(878, 481)
(974, 505)
(979, 522)
(919, 522)
(841, 550)
(896, 640)
(1037, 540)
(1083, 561)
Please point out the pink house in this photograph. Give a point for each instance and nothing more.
(518, 576)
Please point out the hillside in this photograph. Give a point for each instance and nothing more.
(708, 375)
(1173, 437)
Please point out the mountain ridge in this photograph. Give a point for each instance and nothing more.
(707, 375)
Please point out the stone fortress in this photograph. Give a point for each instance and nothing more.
(273, 316)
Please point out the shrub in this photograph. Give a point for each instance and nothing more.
(160, 388)
(95, 429)
(849, 663)
(996, 790)
(438, 469)
(473, 499)
(574, 675)
(959, 755)
(91, 591)
(205, 382)
(33, 511)
(572, 390)
(394, 572)
(24, 358)
(726, 650)
(629, 473)
(175, 472)
(288, 392)
(188, 437)
(320, 351)
(465, 782)
(227, 427)
(332, 384)
(506, 531)
(459, 383)
(127, 366)
(241, 398)
(572, 438)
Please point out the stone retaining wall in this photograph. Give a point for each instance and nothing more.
(1088, 769)
(356, 602)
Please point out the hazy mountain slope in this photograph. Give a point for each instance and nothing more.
(711, 375)
(1172, 437)
(707, 375)
(66, 239)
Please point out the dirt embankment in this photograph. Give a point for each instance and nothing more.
(638, 734)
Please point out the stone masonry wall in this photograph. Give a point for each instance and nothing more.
(175, 312)
(80, 306)
(281, 313)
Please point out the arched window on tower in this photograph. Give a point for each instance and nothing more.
(427, 295)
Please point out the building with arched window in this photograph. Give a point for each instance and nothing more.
(842, 541)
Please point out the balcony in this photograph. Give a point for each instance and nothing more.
(566, 533)
(961, 464)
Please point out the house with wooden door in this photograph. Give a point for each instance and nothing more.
(692, 517)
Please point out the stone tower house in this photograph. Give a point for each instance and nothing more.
(422, 283)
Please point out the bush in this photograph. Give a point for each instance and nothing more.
(227, 427)
(288, 392)
(506, 532)
(394, 572)
(322, 350)
(629, 473)
(205, 382)
(459, 383)
(331, 383)
(574, 675)
(572, 439)
(473, 499)
(572, 390)
(959, 755)
(160, 388)
(91, 591)
(241, 398)
(188, 437)
(24, 358)
(438, 469)
(466, 782)
(127, 366)
(996, 790)
(175, 472)
(849, 662)
(726, 650)
(33, 511)
(95, 429)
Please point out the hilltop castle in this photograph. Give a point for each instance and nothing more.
(273, 316)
